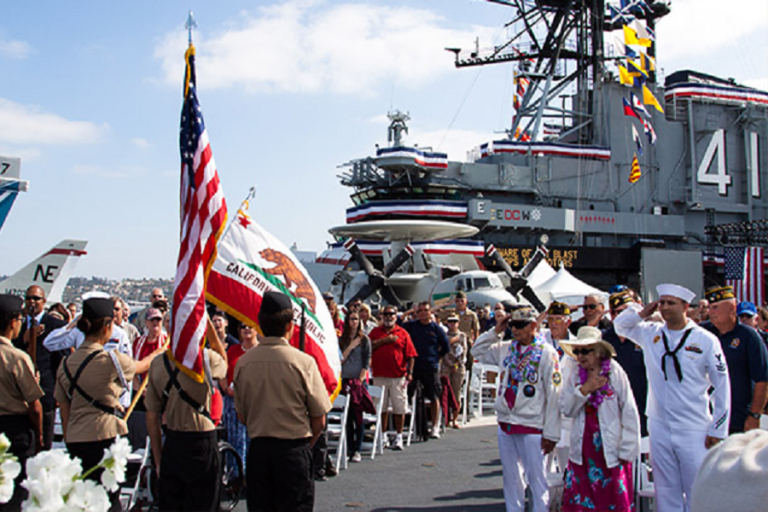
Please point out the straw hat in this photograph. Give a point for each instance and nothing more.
(587, 336)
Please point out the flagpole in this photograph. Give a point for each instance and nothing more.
(189, 25)
(243, 207)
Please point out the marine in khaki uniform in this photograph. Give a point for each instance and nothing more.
(188, 462)
(468, 323)
(89, 384)
(21, 414)
(281, 398)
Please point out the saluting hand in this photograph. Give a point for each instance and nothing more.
(649, 309)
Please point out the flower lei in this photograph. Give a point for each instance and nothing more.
(517, 369)
(597, 397)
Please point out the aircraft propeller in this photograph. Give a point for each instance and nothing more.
(377, 279)
(519, 280)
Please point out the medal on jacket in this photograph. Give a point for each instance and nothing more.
(520, 368)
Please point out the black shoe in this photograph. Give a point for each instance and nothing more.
(320, 478)
(330, 470)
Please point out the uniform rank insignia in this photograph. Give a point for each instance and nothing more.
(693, 348)
(656, 339)
(735, 342)
(557, 378)
(720, 366)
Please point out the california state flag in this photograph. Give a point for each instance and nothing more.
(250, 262)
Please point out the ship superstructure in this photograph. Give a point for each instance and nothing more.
(585, 116)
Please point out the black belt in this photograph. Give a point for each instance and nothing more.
(673, 354)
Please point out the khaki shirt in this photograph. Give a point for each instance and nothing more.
(18, 385)
(468, 322)
(277, 389)
(101, 381)
(179, 415)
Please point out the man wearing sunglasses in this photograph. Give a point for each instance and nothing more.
(594, 314)
(392, 367)
(47, 362)
(745, 355)
(526, 402)
(683, 362)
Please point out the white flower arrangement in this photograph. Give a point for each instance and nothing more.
(9, 470)
(56, 482)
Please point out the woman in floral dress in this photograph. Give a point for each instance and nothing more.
(605, 435)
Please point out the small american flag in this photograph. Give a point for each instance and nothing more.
(203, 216)
(744, 272)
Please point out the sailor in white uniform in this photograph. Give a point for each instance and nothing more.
(683, 361)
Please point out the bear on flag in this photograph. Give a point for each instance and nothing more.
(250, 262)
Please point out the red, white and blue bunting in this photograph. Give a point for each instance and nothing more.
(427, 208)
(370, 248)
(716, 93)
(426, 159)
(545, 149)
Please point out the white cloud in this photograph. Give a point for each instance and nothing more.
(307, 47)
(140, 143)
(24, 124)
(14, 49)
(26, 154)
(698, 27)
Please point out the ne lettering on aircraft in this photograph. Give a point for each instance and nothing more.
(48, 274)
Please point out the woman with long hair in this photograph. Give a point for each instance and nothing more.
(355, 349)
(605, 436)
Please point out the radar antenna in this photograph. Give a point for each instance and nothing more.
(397, 126)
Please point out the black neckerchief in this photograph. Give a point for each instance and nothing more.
(673, 354)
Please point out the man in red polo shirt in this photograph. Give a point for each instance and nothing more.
(392, 367)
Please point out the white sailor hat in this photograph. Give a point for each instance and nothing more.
(675, 290)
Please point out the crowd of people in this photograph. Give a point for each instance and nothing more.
(683, 373)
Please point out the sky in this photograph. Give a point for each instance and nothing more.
(91, 94)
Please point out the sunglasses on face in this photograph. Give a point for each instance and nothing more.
(582, 351)
(33, 297)
(590, 306)
(519, 324)
(388, 313)
(353, 318)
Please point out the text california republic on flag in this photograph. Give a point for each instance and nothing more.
(203, 217)
(251, 262)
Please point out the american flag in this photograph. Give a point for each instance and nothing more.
(203, 216)
(744, 269)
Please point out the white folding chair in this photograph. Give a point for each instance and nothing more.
(412, 421)
(336, 421)
(377, 442)
(644, 490)
(555, 481)
(131, 494)
(487, 389)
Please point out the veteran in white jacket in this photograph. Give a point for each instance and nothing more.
(605, 434)
(526, 403)
(683, 362)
